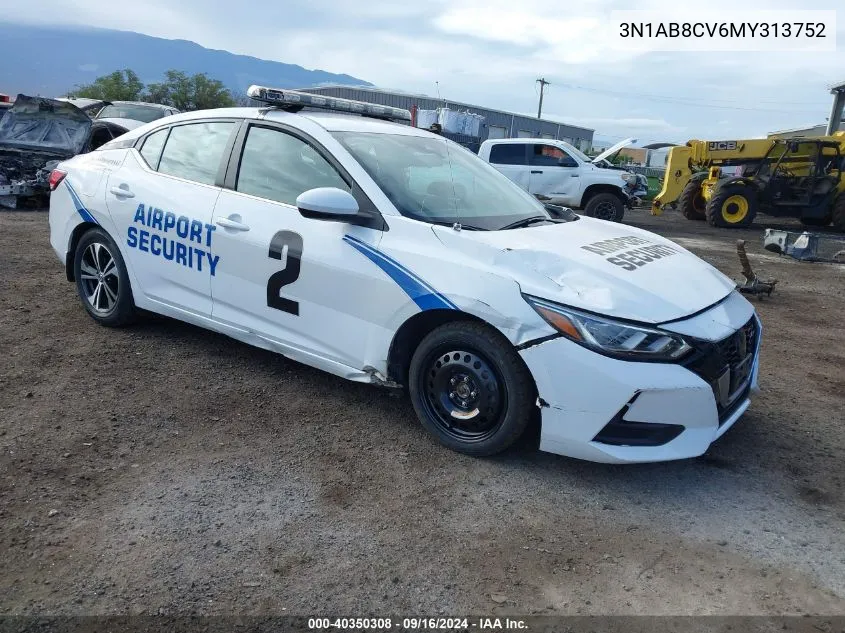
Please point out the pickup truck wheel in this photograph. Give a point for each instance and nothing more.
(605, 206)
(471, 389)
(691, 202)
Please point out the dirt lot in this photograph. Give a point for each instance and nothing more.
(166, 469)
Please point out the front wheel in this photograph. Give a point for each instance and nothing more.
(102, 281)
(470, 388)
(732, 206)
(605, 206)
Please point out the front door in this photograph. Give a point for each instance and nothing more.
(554, 174)
(295, 282)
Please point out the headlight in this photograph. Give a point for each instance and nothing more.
(611, 337)
(629, 178)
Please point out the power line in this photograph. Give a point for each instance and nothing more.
(690, 102)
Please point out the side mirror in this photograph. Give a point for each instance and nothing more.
(567, 161)
(327, 203)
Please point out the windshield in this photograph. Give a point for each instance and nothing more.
(132, 111)
(433, 180)
(577, 152)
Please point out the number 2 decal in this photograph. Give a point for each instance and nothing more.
(289, 274)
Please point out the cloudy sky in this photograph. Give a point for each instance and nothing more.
(490, 52)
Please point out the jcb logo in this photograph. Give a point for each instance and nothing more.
(721, 145)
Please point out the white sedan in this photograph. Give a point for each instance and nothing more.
(341, 237)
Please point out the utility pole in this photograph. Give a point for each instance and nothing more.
(543, 83)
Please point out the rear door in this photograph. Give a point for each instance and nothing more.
(512, 160)
(161, 200)
(554, 173)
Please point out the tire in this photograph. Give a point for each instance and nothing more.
(691, 202)
(605, 206)
(470, 388)
(732, 206)
(838, 213)
(101, 280)
(816, 221)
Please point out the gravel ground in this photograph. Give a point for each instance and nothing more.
(166, 469)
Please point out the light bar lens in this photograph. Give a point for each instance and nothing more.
(292, 97)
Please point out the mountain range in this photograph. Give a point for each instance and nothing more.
(52, 60)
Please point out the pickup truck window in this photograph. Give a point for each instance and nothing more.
(508, 154)
(550, 156)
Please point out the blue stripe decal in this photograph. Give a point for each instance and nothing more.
(85, 213)
(426, 297)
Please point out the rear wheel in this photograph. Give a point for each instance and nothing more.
(732, 206)
(691, 202)
(101, 280)
(470, 388)
(605, 206)
(838, 212)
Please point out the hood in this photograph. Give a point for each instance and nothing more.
(48, 125)
(613, 149)
(603, 267)
(88, 106)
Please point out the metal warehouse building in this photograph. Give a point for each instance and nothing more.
(497, 123)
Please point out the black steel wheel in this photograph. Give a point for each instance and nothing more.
(101, 280)
(470, 388)
(605, 206)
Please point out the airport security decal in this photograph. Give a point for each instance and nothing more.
(185, 241)
(632, 258)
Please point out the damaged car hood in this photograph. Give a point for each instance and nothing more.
(603, 267)
(44, 125)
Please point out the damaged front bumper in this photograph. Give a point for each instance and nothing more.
(602, 409)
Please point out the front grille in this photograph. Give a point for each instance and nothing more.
(726, 366)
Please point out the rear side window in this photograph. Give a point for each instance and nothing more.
(278, 166)
(508, 154)
(151, 149)
(194, 151)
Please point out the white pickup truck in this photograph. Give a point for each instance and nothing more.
(558, 173)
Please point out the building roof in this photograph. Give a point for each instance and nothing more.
(448, 102)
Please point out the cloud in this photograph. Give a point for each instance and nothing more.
(490, 52)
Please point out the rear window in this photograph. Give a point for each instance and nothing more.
(147, 114)
(508, 154)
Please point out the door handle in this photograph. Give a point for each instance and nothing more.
(122, 191)
(229, 223)
(574, 176)
(536, 171)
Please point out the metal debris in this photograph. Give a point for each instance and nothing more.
(753, 285)
(806, 246)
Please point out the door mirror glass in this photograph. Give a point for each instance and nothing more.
(567, 161)
(327, 203)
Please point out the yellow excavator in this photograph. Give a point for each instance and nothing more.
(727, 183)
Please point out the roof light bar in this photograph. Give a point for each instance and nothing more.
(296, 99)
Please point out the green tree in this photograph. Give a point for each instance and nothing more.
(121, 85)
(197, 92)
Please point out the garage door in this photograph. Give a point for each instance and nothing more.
(525, 134)
(497, 131)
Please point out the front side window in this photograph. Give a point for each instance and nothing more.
(434, 180)
(194, 151)
(278, 166)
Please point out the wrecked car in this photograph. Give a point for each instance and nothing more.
(37, 133)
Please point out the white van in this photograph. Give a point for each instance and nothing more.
(558, 173)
